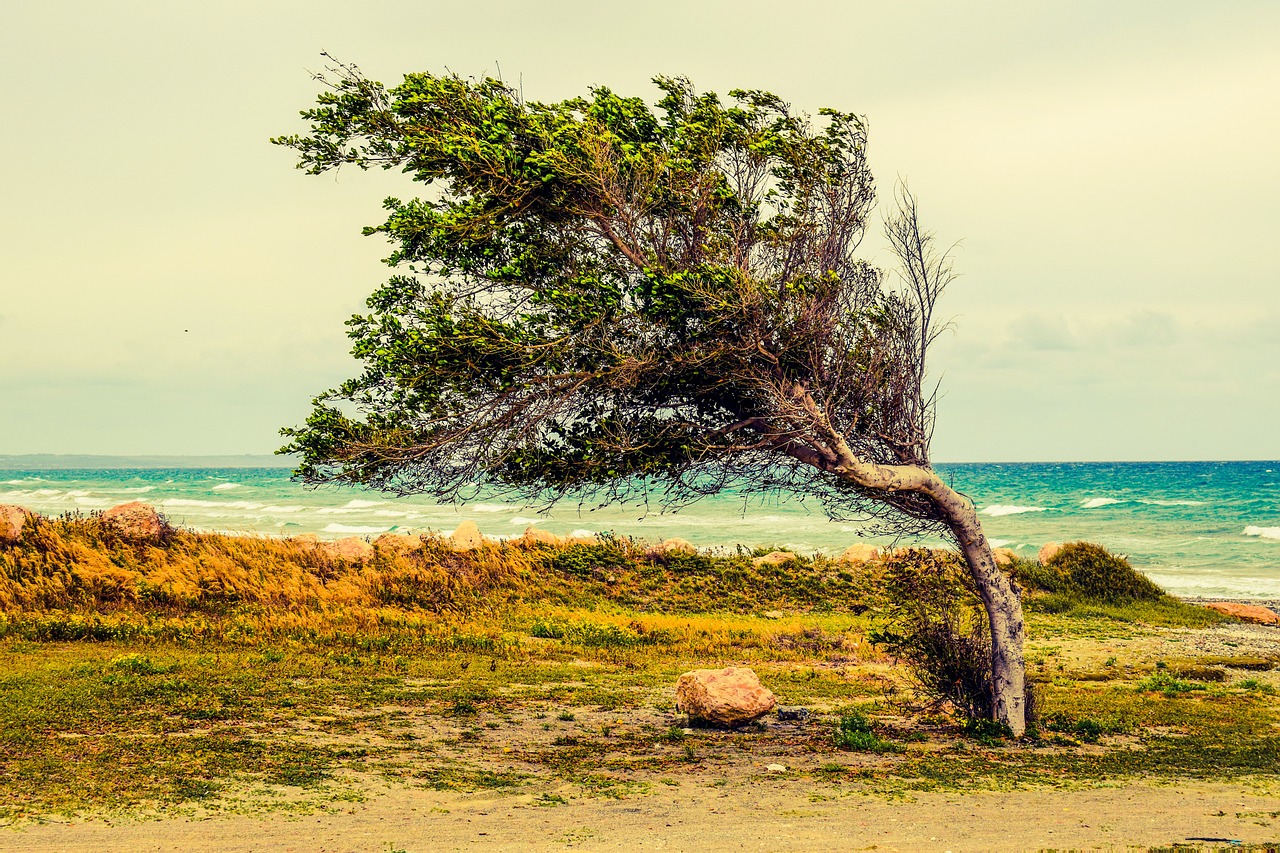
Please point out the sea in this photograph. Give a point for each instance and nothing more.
(1199, 529)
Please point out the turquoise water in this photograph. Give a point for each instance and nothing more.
(1197, 528)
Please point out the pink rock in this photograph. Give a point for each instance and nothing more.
(859, 554)
(775, 558)
(1004, 556)
(350, 548)
(1246, 612)
(135, 520)
(466, 537)
(399, 543)
(534, 536)
(1048, 551)
(676, 545)
(12, 520)
(727, 697)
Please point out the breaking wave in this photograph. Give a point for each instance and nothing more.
(1009, 509)
(1262, 532)
(351, 528)
(1094, 503)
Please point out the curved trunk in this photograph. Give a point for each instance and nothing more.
(1004, 609)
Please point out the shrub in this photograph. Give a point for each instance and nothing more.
(935, 622)
(854, 732)
(1092, 572)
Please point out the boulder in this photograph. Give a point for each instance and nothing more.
(12, 520)
(134, 520)
(534, 536)
(727, 697)
(398, 543)
(859, 553)
(1004, 556)
(309, 541)
(676, 545)
(466, 537)
(775, 558)
(1246, 612)
(350, 548)
(1048, 551)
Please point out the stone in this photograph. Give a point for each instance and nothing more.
(1048, 551)
(1246, 612)
(776, 768)
(534, 536)
(466, 537)
(773, 614)
(676, 546)
(398, 543)
(793, 715)
(728, 697)
(134, 520)
(1004, 556)
(350, 548)
(859, 554)
(12, 520)
(775, 558)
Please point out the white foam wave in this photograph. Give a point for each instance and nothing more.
(1094, 503)
(222, 487)
(220, 504)
(489, 507)
(1173, 503)
(137, 490)
(359, 504)
(283, 508)
(1262, 532)
(391, 513)
(350, 528)
(520, 519)
(583, 532)
(1009, 509)
(999, 543)
(87, 501)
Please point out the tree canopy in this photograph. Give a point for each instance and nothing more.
(601, 297)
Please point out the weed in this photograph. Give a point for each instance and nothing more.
(854, 732)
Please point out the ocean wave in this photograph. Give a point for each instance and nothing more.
(168, 502)
(135, 490)
(583, 533)
(224, 486)
(998, 543)
(1094, 503)
(520, 519)
(359, 504)
(1262, 532)
(1008, 509)
(390, 513)
(489, 507)
(1172, 503)
(269, 508)
(351, 528)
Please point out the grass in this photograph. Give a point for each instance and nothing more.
(214, 672)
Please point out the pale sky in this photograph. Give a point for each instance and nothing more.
(1110, 170)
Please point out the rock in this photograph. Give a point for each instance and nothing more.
(775, 558)
(773, 614)
(1004, 556)
(307, 540)
(776, 768)
(12, 520)
(534, 536)
(1048, 551)
(1246, 612)
(350, 548)
(796, 715)
(466, 537)
(859, 554)
(398, 543)
(134, 520)
(727, 697)
(676, 546)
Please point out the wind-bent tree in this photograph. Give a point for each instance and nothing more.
(602, 299)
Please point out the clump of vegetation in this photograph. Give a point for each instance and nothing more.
(935, 622)
(855, 732)
(1088, 571)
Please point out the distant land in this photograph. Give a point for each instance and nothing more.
(72, 461)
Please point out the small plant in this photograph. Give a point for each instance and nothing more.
(566, 717)
(675, 734)
(1161, 681)
(987, 732)
(1253, 685)
(854, 732)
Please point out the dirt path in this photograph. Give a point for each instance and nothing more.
(705, 819)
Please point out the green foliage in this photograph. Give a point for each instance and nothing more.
(934, 620)
(1163, 682)
(854, 732)
(1090, 572)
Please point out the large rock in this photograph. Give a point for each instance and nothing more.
(1246, 612)
(775, 558)
(1004, 556)
(12, 520)
(675, 545)
(399, 543)
(135, 520)
(466, 537)
(727, 697)
(534, 536)
(1048, 551)
(859, 554)
(350, 548)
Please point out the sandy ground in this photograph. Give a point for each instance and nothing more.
(706, 818)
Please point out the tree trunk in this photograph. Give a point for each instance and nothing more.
(1004, 611)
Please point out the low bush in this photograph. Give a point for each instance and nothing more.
(854, 732)
(1089, 571)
